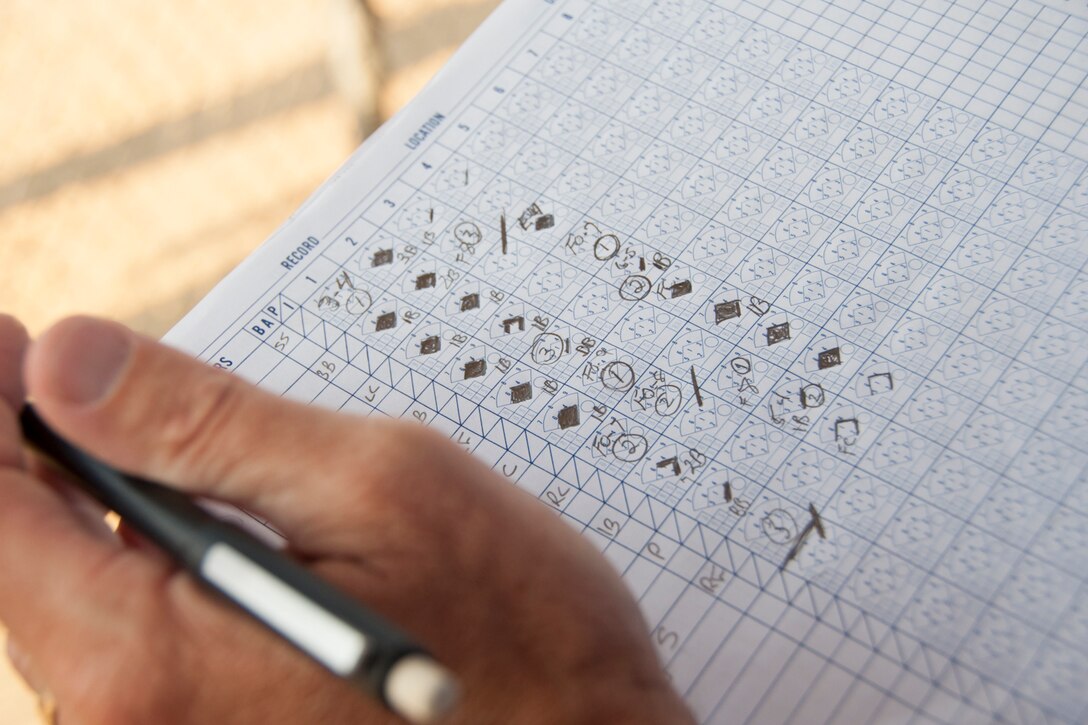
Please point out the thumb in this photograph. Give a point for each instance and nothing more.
(156, 413)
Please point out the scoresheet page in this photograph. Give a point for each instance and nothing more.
(782, 303)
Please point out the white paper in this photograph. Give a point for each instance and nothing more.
(859, 228)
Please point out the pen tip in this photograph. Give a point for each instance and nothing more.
(420, 689)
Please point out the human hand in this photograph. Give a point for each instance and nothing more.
(534, 622)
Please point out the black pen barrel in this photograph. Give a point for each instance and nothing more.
(236, 564)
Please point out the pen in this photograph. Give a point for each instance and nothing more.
(324, 623)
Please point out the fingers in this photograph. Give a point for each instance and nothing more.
(56, 575)
(67, 587)
(155, 412)
(13, 344)
(60, 569)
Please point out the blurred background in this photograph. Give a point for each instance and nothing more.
(147, 148)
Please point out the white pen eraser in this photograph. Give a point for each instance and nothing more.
(420, 689)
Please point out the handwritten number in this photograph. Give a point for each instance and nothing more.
(609, 527)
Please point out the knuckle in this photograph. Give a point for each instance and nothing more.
(199, 417)
(407, 447)
(387, 458)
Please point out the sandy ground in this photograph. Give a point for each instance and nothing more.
(149, 147)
